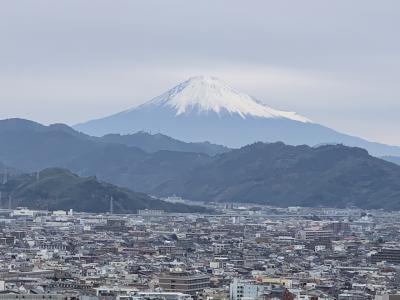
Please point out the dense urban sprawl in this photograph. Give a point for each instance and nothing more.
(240, 252)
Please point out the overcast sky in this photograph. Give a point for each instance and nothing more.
(336, 62)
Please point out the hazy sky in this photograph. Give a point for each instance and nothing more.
(336, 62)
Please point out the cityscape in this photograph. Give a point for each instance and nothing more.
(240, 252)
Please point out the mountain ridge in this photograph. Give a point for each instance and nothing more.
(17, 135)
(281, 175)
(151, 143)
(267, 173)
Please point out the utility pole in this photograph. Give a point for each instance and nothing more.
(5, 176)
(111, 205)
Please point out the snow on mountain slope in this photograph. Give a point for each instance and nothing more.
(205, 94)
(206, 109)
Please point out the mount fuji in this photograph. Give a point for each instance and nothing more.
(206, 109)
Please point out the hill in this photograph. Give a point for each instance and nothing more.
(155, 142)
(31, 146)
(56, 189)
(281, 175)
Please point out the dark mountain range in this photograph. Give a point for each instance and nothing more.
(329, 175)
(281, 175)
(206, 109)
(31, 146)
(276, 174)
(56, 189)
(136, 169)
(155, 142)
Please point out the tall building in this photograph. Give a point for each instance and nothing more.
(338, 227)
(184, 282)
(389, 255)
(310, 235)
(150, 212)
(245, 289)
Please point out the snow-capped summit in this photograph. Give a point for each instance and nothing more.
(204, 108)
(206, 94)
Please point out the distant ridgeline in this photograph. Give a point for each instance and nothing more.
(274, 174)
